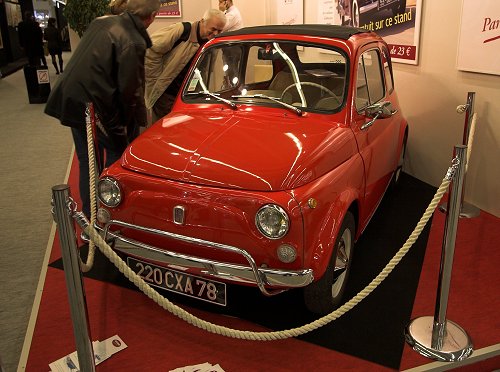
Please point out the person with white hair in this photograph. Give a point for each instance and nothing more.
(167, 61)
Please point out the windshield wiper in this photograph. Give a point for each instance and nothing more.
(274, 99)
(206, 92)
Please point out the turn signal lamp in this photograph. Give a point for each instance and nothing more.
(286, 253)
(103, 216)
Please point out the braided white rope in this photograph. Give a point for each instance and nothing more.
(461, 109)
(274, 335)
(470, 140)
(87, 266)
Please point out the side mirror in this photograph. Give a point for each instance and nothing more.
(268, 54)
(380, 110)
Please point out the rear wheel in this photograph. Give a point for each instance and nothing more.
(325, 294)
(396, 177)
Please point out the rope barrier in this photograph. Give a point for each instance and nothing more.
(470, 140)
(461, 109)
(89, 117)
(273, 335)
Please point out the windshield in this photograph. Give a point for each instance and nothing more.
(288, 74)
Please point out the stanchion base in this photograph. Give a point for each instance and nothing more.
(456, 344)
(466, 211)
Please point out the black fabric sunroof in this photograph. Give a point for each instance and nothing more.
(332, 31)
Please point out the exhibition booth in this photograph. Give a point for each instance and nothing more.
(211, 240)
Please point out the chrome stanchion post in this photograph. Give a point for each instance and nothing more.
(436, 337)
(74, 282)
(467, 210)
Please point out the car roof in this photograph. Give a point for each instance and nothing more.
(331, 31)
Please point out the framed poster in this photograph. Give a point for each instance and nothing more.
(479, 38)
(396, 21)
(169, 8)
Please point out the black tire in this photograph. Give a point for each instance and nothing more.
(396, 176)
(324, 295)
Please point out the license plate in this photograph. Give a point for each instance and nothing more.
(179, 282)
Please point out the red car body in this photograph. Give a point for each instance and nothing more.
(191, 186)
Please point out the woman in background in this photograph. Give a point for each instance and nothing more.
(54, 40)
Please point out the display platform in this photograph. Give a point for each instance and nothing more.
(371, 336)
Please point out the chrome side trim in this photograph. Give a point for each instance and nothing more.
(283, 279)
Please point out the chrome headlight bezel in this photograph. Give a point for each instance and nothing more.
(109, 192)
(276, 230)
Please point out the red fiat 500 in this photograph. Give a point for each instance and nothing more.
(278, 150)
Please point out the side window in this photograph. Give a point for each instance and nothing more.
(389, 82)
(369, 80)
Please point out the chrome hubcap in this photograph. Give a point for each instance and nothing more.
(341, 262)
(400, 164)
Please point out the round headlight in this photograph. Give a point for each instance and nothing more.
(272, 221)
(108, 192)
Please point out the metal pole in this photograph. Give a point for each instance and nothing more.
(467, 210)
(73, 275)
(438, 338)
(448, 248)
(468, 117)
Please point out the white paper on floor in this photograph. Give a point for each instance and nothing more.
(204, 367)
(102, 351)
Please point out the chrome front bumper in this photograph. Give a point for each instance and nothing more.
(279, 280)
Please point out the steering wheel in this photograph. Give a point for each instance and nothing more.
(308, 83)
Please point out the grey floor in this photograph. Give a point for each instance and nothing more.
(35, 151)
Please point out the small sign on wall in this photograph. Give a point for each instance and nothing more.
(169, 8)
(43, 76)
(479, 40)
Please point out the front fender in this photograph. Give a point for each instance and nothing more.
(335, 193)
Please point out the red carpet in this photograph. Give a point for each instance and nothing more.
(158, 341)
(474, 301)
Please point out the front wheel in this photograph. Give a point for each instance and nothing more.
(325, 294)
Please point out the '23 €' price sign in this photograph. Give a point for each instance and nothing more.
(403, 51)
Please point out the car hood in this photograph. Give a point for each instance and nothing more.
(241, 149)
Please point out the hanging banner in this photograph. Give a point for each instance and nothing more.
(479, 39)
(396, 21)
(169, 8)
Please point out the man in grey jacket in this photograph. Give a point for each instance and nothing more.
(168, 60)
(106, 69)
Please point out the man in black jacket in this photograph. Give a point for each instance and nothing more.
(107, 70)
(31, 40)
